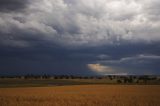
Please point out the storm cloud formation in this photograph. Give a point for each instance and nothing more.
(62, 32)
(12, 5)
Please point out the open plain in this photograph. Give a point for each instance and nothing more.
(82, 95)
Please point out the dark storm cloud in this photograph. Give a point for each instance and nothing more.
(76, 36)
(128, 59)
(122, 59)
(138, 64)
(12, 5)
(41, 60)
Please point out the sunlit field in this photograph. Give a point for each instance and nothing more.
(82, 95)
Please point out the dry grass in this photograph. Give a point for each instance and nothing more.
(82, 95)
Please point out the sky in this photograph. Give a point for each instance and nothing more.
(80, 37)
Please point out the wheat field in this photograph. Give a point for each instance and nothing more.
(82, 95)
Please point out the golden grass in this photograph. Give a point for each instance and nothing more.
(82, 95)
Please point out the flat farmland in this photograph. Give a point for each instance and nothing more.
(82, 95)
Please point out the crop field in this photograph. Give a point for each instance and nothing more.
(82, 95)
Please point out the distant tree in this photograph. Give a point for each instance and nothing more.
(85, 77)
(134, 77)
(119, 81)
(45, 76)
(137, 81)
(66, 77)
(125, 80)
(55, 77)
(72, 77)
(130, 79)
(80, 77)
(110, 77)
(145, 80)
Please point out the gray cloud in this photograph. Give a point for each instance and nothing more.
(78, 23)
(139, 64)
(12, 5)
(135, 59)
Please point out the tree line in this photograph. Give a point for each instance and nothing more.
(118, 78)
